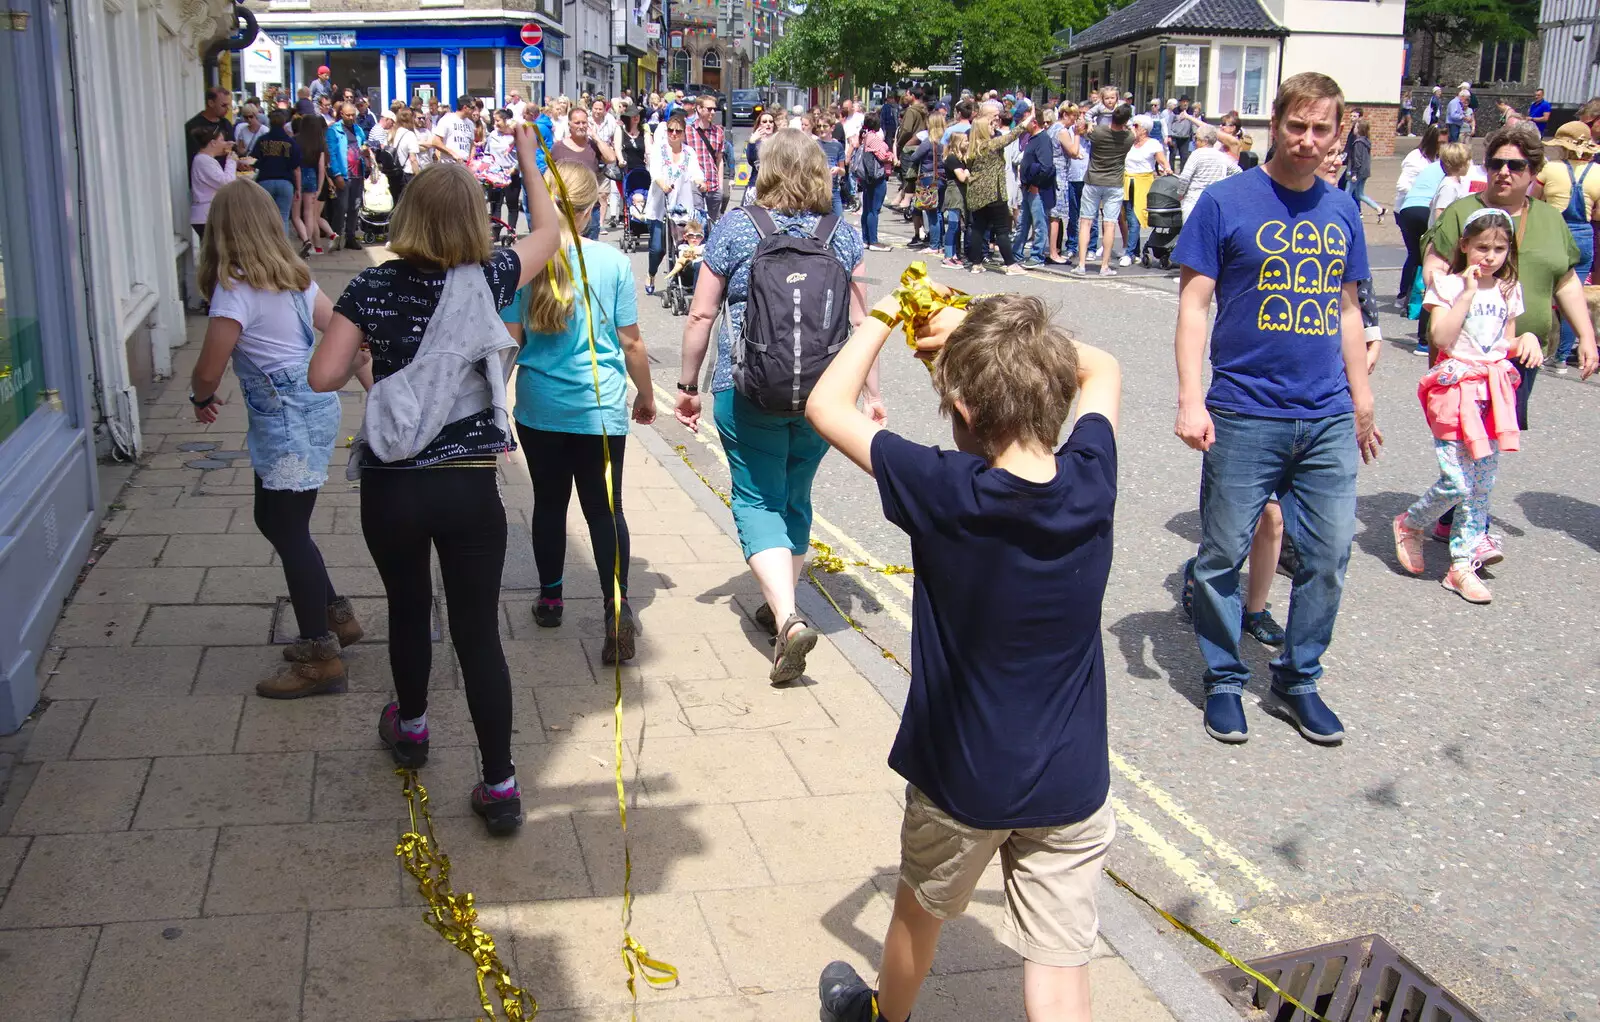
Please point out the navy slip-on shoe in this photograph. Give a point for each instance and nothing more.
(1225, 718)
(1311, 715)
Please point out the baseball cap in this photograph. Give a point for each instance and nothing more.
(324, 70)
(1464, 85)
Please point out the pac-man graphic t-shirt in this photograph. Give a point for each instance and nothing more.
(1279, 258)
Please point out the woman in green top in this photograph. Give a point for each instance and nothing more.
(987, 213)
(1546, 253)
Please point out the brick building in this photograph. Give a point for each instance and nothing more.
(1508, 69)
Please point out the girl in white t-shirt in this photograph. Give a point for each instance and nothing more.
(264, 306)
(1469, 398)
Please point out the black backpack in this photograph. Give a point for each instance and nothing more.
(796, 315)
(866, 168)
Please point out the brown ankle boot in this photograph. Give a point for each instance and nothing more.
(341, 622)
(316, 668)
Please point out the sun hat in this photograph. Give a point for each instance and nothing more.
(1574, 138)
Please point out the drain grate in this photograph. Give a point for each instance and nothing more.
(1364, 979)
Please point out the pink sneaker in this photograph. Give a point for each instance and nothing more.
(1441, 532)
(1408, 545)
(1489, 551)
(1463, 580)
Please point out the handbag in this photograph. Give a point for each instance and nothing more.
(612, 171)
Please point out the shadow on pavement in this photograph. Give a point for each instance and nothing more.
(1558, 512)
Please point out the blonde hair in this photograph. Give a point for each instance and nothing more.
(960, 145)
(244, 240)
(440, 222)
(981, 134)
(1014, 370)
(550, 298)
(793, 174)
(936, 125)
(1455, 158)
(1305, 88)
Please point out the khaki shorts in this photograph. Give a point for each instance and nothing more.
(1050, 876)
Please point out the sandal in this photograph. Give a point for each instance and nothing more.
(789, 655)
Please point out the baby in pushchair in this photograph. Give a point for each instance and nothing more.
(689, 241)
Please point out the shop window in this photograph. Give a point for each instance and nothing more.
(680, 67)
(1501, 62)
(22, 376)
(480, 72)
(1242, 80)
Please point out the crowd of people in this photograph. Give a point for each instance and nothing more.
(1006, 529)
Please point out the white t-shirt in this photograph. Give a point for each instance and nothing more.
(406, 145)
(1141, 159)
(852, 127)
(516, 110)
(1483, 334)
(242, 133)
(458, 134)
(271, 335)
(502, 150)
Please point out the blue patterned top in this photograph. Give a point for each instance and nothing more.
(730, 249)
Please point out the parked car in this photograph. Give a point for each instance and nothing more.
(744, 105)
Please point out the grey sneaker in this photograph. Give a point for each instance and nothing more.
(845, 996)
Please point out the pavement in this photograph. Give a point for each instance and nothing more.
(173, 847)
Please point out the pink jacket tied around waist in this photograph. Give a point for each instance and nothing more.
(1472, 402)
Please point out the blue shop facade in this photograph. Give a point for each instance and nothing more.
(417, 61)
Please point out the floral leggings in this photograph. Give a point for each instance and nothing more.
(1464, 483)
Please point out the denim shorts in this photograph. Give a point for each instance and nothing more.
(292, 427)
(1100, 203)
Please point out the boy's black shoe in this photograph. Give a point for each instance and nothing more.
(1312, 717)
(1266, 630)
(845, 995)
(1225, 718)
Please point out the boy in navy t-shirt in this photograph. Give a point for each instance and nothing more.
(1003, 738)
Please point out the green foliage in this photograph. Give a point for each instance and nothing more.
(1473, 21)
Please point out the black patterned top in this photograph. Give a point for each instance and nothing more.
(392, 304)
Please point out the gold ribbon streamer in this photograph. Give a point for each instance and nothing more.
(453, 915)
(920, 302)
(1221, 951)
(635, 958)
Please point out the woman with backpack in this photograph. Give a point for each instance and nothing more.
(423, 489)
(557, 419)
(870, 166)
(773, 454)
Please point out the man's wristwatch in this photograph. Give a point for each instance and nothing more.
(688, 388)
(198, 403)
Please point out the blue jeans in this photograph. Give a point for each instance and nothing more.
(933, 226)
(592, 232)
(1583, 234)
(1032, 217)
(658, 244)
(1312, 463)
(282, 193)
(1131, 222)
(1357, 187)
(772, 460)
(838, 202)
(1455, 131)
(952, 232)
(871, 202)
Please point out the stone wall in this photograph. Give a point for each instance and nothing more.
(1455, 63)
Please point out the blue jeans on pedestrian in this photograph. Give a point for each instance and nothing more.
(1357, 187)
(1455, 132)
(1131, 222)
(592, 232)
(1312, 464)
(1032, 217)
(1583, 234)
(282, 193)
(658, 244)
(772, 461)
(933, 227)
(838, 202)
(871, 203)
(952, 232)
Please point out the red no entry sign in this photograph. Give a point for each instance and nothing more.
(532, 34)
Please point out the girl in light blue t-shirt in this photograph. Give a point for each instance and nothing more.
(564, 426)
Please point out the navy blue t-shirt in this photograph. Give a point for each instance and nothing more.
(1279, 258)
(1005, 725)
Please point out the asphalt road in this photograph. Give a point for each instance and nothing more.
(1460, 816)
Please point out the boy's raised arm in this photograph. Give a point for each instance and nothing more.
(831, 408)
(1099, 383)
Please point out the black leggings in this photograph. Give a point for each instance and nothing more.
(284, 518)
(993, 220)
(555, 462)
(458, 512)
(1413, 222)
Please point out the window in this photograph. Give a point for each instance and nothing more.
(680, 67)
(22, 370)
(711, 59)
(480, 72)
(1501, 62)
(1242, 80)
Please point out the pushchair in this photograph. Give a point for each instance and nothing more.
(680, 279)
(635, 193)
(1164, 211)
(377, 206)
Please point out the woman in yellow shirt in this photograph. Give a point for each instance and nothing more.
(1575, 191)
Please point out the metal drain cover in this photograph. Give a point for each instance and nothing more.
(1364, 979)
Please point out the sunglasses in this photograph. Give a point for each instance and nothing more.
(1496, 164)
(674, 131)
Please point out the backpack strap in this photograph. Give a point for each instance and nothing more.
(823, 232)
(762, 219)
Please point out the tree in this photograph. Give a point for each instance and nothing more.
(1470, 22)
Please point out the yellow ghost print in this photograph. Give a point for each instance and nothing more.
(1308, 317)
(1274, 274)
(1271, 239)
(1331, 317)
(1333, 278)
(1275, 314)
(1306, 240)
(1308, 276)
(1334, 242)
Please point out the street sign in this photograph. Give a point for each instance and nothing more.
(532, 58)
(652, 30)
(948, 68)
(533, 76)
(532, 34)
(1186, 68)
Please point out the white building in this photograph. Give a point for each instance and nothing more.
(1231, 54)
(1569, 37)
(94, 239)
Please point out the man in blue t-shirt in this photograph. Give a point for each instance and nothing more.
(1539, 113)
(1003, 739)
(1289, 410)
